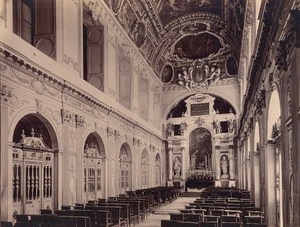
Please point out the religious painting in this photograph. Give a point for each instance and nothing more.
(167, 74)
(171, 9)
(139, 33)
(200, 149)
(197, 46)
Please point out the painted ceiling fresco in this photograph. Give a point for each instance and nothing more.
(192, 43)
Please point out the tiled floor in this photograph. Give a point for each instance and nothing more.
(153, 220)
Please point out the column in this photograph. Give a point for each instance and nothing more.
(256, 168)
(79, 164)
(5, 158)
(248, 174)
(231, 163)
(270, 197)
(68, 119)
(170, 153)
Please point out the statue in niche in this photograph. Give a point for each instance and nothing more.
(224, 167)
(177, 167)
(170, 129)
(183, 126)
(217, 126)
(230, 125)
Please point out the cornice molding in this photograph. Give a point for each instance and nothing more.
(43, 83)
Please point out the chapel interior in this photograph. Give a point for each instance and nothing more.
(143, 102)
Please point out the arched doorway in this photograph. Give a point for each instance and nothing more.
(157, 170)
(93, 172)
(34, 170)
(125, 168)
(144, 169)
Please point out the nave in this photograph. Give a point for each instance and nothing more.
(103, 97)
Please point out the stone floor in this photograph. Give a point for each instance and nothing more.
(153, 220)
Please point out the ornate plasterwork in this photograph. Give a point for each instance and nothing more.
(19, 72)
(23, 73)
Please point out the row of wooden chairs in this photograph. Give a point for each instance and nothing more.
(218, 211)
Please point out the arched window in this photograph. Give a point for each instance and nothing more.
(93, 167)
(144, 169)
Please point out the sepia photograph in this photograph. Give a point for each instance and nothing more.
(150, 113)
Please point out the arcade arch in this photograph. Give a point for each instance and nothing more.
(125, 159)
(157, 170)
(94, 167)
(34, 169)
(144, 169)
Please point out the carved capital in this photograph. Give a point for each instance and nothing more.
(117, 135)
(136, 142)
(68, 117)
(80, 122)
(110, 132)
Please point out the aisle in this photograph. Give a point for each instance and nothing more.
(153, 220)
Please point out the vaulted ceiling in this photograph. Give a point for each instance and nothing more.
(178, 35)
